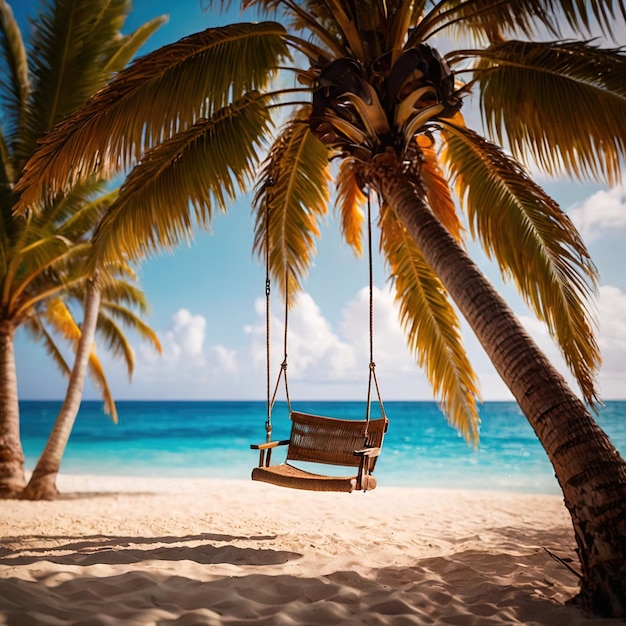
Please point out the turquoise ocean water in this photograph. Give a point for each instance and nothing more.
(211, 439)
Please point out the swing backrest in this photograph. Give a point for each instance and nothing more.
(331, 440)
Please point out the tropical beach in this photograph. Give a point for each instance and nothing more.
(451, 535)
(138, 551)
(430, 131)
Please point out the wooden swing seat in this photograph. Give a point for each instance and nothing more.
(325, 440)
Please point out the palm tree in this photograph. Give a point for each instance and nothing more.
(359, 85)
(74, 49)
(107, 301)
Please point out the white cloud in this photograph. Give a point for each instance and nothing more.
(329, 363)
(612, 340)
(184, 341)
(603, 212)
(324, 363)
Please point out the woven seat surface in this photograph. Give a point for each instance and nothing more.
(331, 440)
(327, 440)
(286, 475)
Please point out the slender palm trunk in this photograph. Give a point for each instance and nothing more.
(12, 478)
(42, 484)
(590, 471)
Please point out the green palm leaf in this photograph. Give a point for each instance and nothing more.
(294, 193)
(118, 292)
(35, 327)
(113, 310)
(73, 42)
(14, 79)
(534, 243)
(432, 327)
(82, 214)
(124, 55)
(203, 166)
(527, 89)
(115, 340)
(159, 94)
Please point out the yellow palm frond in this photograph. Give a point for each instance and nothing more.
(527, 88)
(35, 327)
(98, 377)
(350, 202)
(160, 94)
(437, 189)
(294, 192)
(61, 319)
(432, 327)
(201, 167)
(534, 243)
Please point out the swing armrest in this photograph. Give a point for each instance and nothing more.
(370, 452)
(269, 444)
(265, 451)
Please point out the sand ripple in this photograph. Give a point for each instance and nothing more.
(196, 552)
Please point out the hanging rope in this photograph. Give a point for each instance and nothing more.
(372, 380)
(271, 397)
(268, 423)
(372, 364)
(283, 365)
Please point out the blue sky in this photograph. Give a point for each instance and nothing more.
(208, 300)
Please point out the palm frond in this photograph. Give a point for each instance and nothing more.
(36, 329)
(486, 19)
(133, 322)
(14, 78)
(432, 327)
(558, 104)
(437, 189)
(323, 40)
(350, 203)
(115, 337)
(118, 292)
(73, 42)
(7, 176)
(61, 319)
(482, 19)
(84, 214)
(98, 377)
(115, 340)
(161, 93)
(202, 167)
(132, 43)
(293, 195)
(58, 315)
(39, 260)
(403, 16)
(534, 243)
(582, 16)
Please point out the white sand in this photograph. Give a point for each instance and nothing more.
(133, 551)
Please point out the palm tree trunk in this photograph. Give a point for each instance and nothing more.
(42, 484)
(590, 471)
(12, 478)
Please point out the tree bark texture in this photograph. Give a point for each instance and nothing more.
(12, 478)
(42, 484)
(589, 469)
